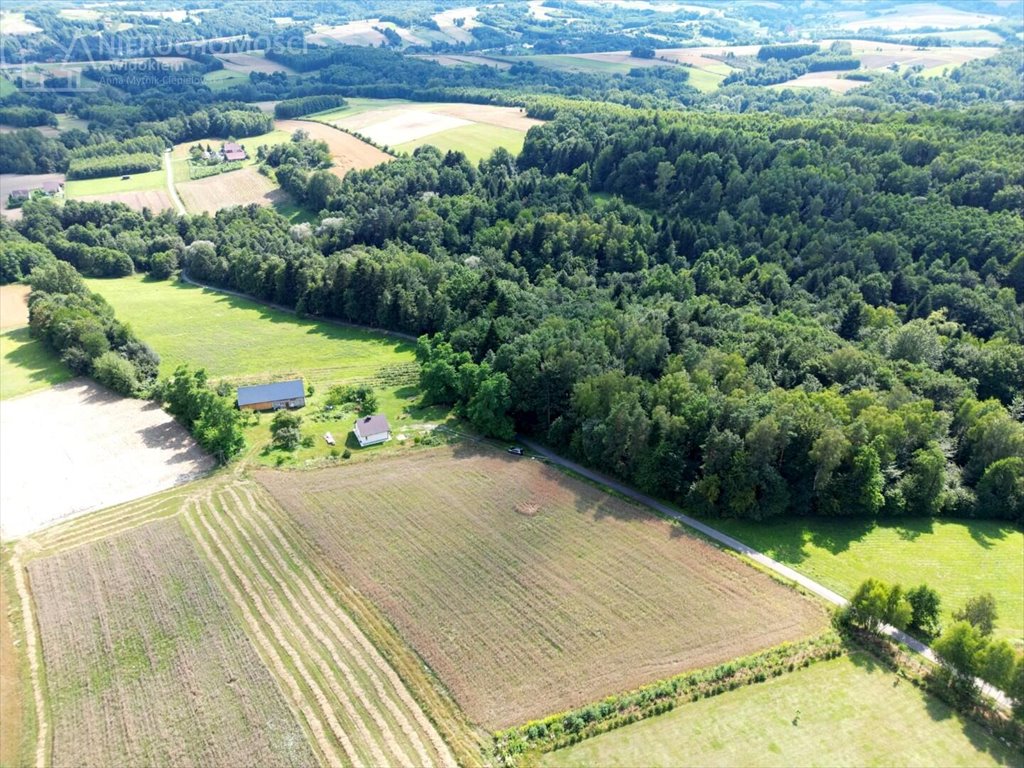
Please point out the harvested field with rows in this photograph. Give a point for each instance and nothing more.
(239, 187)
(155, 200)
(212, 585)
(145, 664)
(526, 591)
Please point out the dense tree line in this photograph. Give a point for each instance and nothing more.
(307, 105)
(27, 117)
(19, 255)
(81, 328)
(112, 165)
(787, 52)
(28, 151)
(153, 145)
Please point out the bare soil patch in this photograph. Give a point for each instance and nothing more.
(77, 447)
(13, 306)
(145, 663)
(155, 199)
(522, 615)
(397, 126)
(348, 152)
(831, 80)
(240, 187)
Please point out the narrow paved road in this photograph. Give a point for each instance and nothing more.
(758, 557)
(170, 184)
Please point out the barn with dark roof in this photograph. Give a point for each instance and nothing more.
(272, 397)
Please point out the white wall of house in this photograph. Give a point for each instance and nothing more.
(379, 437)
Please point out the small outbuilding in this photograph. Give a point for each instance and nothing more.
(371, 430)
(272, 397)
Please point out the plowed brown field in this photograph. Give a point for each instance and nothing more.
(529, 592)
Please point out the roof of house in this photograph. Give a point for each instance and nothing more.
(52, 186)
(234, 154)
(19, 193)
(265, 393)
(373, 425)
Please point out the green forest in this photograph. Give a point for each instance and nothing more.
(752, 302)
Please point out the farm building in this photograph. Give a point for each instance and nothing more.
(233, 151)
(47, 188)
(370, 430)
(272, 397)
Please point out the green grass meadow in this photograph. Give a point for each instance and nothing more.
(243, 342)
(847, 711)
(137, 182)
(26, 365)
(957, 558)
(477, 141)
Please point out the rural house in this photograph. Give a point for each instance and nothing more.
(370, 430)
(233, 151)
(272, 397)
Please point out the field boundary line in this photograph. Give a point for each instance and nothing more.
(1000, 698)
(428, 692)
(33, 650)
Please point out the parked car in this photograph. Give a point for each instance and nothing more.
(329, 438)
(516, 451)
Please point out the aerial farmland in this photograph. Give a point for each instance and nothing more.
(606, 383)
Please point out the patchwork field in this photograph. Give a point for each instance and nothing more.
(252, 61)
(526, 591)
(476, 129)
(959, 559)
(920, 15)
(848, 711)
(137, 635)
(78, 447)
(241, 187)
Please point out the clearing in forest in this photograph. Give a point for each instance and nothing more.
(847, 711)
(241, 187)
(526, 591)
(78, 447)
(477, 129)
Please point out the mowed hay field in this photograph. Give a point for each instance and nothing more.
(959, 559)
(146, 665)
(193, 628)
(847, 711)
(476, 129)
(241, 187)
(528, 592)
(347, 152)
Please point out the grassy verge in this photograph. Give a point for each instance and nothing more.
(136, 182)
(957, 558)
(26, 364)
(18, 726)
(848, 711)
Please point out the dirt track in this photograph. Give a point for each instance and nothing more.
(78, 447)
